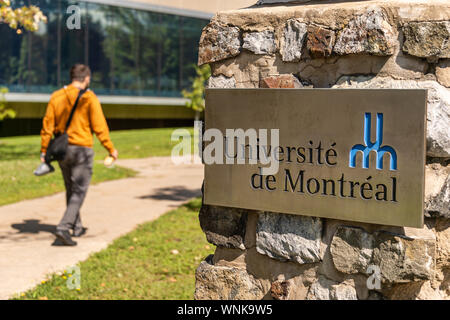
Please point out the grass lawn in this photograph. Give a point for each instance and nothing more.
(19, 157)
(141, 264)
(141, 143)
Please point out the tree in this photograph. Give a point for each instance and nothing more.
(196, 96)
(27, 18)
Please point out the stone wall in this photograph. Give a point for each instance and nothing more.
(367, 44)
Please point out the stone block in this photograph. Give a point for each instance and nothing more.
(293, 40)
(289, 237)
(443, 72)
(351, 250)
(413, 291)
(320, 42)
(428, 39)
(226, 283)
(260, 42)
(437, 190)
(283, 81)
(224, 226)
(221, 82)
(404, 259)
(368, 33)
(265, 267)
(400, 257)
(218, 42)
(326, 289)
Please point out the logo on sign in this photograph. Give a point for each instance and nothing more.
(373, 146)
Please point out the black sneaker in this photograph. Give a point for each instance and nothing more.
(79, 232)
(65, 237)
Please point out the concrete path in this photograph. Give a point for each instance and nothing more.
(111, 209)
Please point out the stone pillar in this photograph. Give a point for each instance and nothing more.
(366, 44)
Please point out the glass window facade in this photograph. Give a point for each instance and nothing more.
(130, 52)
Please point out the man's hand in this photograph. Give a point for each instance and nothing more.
(115, 154)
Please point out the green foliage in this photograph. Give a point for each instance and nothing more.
(141, 143)
(18, 182)
(19, 157)
(4, 111)
(197, 95)
(27, 17)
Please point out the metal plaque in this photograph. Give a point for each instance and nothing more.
(348, 154)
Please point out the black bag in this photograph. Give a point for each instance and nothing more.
(57, 147)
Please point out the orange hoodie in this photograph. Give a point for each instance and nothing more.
(88, 118)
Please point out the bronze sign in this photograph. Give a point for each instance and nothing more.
(349, 154)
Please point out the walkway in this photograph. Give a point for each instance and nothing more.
(111, 209)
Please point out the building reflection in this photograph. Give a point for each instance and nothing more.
(131, 52)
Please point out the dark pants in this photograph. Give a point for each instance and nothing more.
(77, 172)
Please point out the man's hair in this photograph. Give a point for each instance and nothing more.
(79, 72)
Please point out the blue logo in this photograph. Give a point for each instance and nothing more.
(377, 146)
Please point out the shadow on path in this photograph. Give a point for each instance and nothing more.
(33, 226)
(177, 193)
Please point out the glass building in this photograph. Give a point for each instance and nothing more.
(141, 53)
(133, 52)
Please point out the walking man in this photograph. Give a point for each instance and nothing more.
(77, 165)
